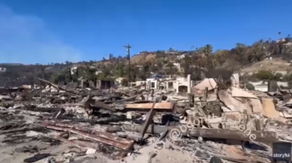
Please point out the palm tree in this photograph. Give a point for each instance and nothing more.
(171, 49)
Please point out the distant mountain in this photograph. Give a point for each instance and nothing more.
(11, 64)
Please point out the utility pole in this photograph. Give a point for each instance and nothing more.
(128, 47)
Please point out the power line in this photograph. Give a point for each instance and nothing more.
(128, 47)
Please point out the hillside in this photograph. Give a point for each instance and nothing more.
(143, 58)
(198, 62)
(274, 65)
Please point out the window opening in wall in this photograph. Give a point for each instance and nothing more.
(170, 85)
(183, 89)
(152, 84)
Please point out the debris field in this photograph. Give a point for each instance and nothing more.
(51, 123)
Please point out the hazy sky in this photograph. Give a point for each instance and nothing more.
(45, 31)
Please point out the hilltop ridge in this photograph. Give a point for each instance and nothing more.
(267, 55)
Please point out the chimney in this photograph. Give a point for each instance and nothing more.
(189, 83)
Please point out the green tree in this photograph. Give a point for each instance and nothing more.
(111, 57)
(264, 75)
(278, 76)
(120, 70)
(171, 49)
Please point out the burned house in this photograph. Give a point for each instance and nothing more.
(105, 83)
(98, 84)
(178, 84)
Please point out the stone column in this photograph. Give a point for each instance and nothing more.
(82, 83)
(235, 80)
(189, 83)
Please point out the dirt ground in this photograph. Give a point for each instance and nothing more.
(272, 65)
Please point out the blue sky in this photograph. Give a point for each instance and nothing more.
(44, 31)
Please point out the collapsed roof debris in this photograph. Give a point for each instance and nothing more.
(53, 123)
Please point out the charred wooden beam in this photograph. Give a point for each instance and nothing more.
(102, 137)
(103, 105)
(76, 144)
(260, 136)
(100, 134)
(59, 87)
(105, 120)
(10, 90)
(160, 107)
(42, 109)
(148, 120)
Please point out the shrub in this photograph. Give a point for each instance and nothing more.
(264, 75)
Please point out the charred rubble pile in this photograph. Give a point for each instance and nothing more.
(54, 123)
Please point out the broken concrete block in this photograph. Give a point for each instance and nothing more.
(90, 151)
(257, 106)
(237, 92)
(235, 116)
(234, 104)
(269, 108)
(209, 83)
